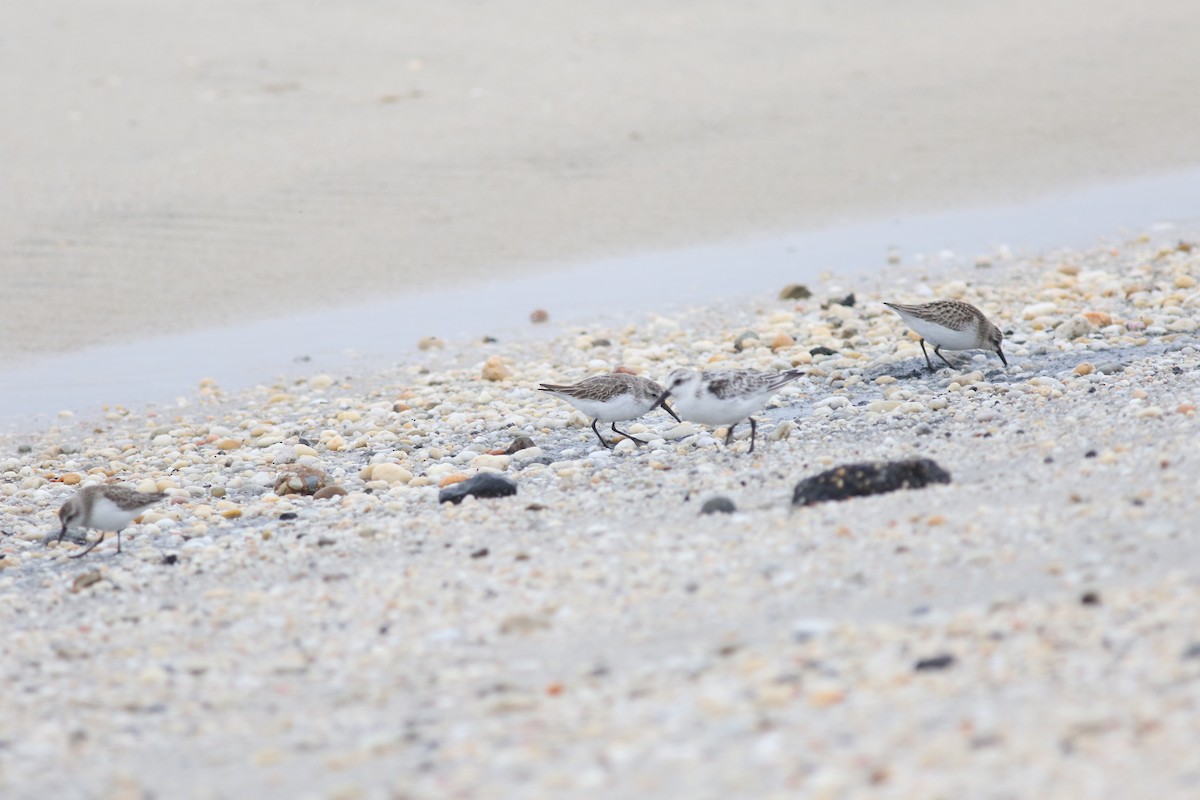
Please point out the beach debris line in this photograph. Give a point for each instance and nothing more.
(868, 478)
(483, 485)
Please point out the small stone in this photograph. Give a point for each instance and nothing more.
(868, 478)
(795, 291)
(329, 492)
(1090, 599)
(495, 370)
(848, 301)
(483, 485)
(1098, 318)
(539, 315)
(1185, 282)
(391, 473)
(1185, 408)
(486, 461)
(822, 350)
(624, 370)
(301, 479)
(321, 382)
(718, 505)
(1074, 328)
(601, 342)
(452, 479)
(228, 444)
(71, 478)
(85, 580)
(1084, 368)
(781, 341)
(941, 662)
(518, 444)
(430, 343)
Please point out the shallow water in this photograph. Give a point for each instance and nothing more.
(169, 366)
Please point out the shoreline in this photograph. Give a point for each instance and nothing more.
(167, 369)
(595, 635)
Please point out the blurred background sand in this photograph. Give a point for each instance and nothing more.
(170, 166)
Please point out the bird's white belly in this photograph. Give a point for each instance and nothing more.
(708, 410)
(108, 516)
(615, 410)
(941, 336)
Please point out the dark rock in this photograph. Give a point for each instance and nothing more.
(288, 515)
(539, 315)
(872, 477)
(1090, 599)
(1192, 651)
(24, 448)
(170, 559)
(601, 343)
(485, 484)
(944, 661)
(518, 444)
(1090, 454)
(795, 291)
(847, 301)
(822, 350)
(490, 340)
(480, 553)
(718, 505)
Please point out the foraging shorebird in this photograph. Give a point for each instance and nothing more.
(614, 397)
(104, 508)
(953, 325)
(724, 397)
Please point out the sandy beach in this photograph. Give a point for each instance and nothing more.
(1027, 630)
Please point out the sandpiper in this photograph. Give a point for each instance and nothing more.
(725, 397)
(105, 508)
(613, 397)
(953, 325)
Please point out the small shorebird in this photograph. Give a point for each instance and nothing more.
(725, 397)
(614, 397)
(105, 508)
(953, 325)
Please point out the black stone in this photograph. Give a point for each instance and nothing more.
(1193, 651)
(288, 515)
(822, 350)
(170, 559)
(847, 301)
(944, 661)
(1090, 599)
(485, 484)
(718, 504)
(480, 553)
(1090, 454)
(867, 478)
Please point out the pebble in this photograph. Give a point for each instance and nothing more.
(859, 480)
(795, 291)
(483, 485)
(389, 473)
(301, 479)
(718, 505)
(494, 369)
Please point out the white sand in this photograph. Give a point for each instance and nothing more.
(178, 165)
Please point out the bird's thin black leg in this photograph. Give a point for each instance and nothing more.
(753, 434)
(89, 548)
(603, 441)
(729, 434)
(118, 541)
(937, 351)
(626, 435)
(926, 352)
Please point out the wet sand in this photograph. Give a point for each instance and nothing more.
(179, 167)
